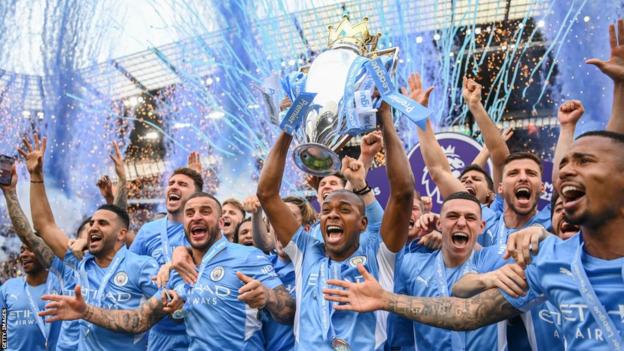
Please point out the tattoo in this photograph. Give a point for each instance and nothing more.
(121, 197)
(281, 305)
(25, 232)
(454, 313)
(129, 321)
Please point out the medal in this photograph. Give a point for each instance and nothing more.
(340, 345)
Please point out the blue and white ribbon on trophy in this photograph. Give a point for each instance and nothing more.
(296, 113)
(416, 112)
(355, 125)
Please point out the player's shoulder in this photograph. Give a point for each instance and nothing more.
(136, 261)
(12, 284)
(152, 227)
(247, 253)
(417, 261)
(554, 249)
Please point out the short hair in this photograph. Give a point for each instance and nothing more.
(462, 195)
(120, 212)
(553, 200)
(210, 196)
(360, 202)
(196, 177)
(317, 180)
(605, 134)
(523, 155)
(477, 168)
(237, 204)
(308, 215)
(82, 225)
(238, 226)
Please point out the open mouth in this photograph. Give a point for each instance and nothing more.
(471, 190)
(95, 237)
(460, 239)
(199, 232)
(523, 194)
(173, 197)
(227, 223)
(572, 195)
(412, 223)
(568, 229)
(334, 234)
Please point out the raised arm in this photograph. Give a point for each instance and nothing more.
(283, 221)
(483, 155)
(262, 239)
(21, 225)
(43, 219)
(133, 321)
(491, 136)
(432, 152)
(614, 68)
(121, 195)
(442, 312)
(395, 222)
(569, 114)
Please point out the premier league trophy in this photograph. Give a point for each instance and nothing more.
(339, 90)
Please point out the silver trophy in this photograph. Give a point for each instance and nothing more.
(343, 106)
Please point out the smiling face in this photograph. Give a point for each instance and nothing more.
(460, 224)
(327, 185)
(476, 184)
(230, 218)
(562, 228)
(591, 182)
(245, 234)
(201, 222)
(179, 189)
(106, 230)
(29, 261)
(522, 186)
(342, 221)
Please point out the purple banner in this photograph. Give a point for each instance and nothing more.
(460, 150)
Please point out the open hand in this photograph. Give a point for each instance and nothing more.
(33, 154)
(614, 67)
(360, 297)
(64, 308)
(416, 91)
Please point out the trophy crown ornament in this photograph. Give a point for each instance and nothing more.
(357, 36)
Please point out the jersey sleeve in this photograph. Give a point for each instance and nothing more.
(374, 213)
(498, 205)
(137, 244)
(298, 245)
(488, 259)
(176, 283)
(148, 270)
(258, 266)
(2, 298)
(71, 260)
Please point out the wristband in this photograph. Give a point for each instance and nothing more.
(37, 181)
(365, 190)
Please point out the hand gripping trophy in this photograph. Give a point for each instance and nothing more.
(341, 95)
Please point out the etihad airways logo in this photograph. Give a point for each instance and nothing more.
(578, 314)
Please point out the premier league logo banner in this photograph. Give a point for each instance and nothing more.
(460, 151)
(343, 105)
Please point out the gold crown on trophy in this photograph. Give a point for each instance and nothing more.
(353, 36)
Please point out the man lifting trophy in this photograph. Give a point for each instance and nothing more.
(334, 96)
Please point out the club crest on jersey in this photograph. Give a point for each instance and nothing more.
(354, 261)
(121, 279)
(217, 274)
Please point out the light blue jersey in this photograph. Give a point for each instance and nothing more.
(317, 323)
(22, 303)
(496, 232)
(70, 330)
(426, 275)
(123, 285)
(158, 239)
(214, 316)
(374, 213)
(583, 289)
(541, 332)
(278, 336)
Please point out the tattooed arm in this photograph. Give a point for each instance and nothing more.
(277, 301)
(442, 312)
(129, 321)
(281, 305)
(22, 227)
(453, 313)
